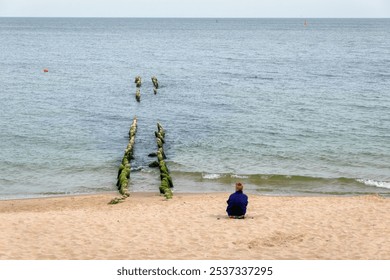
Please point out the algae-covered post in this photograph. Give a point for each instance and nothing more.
(166, 179)
(161, 130)
(138, 81)
(125, 167)
(155, 82)
(138, 95)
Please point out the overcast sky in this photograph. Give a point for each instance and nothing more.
(195, 8)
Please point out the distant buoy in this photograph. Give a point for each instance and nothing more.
(45, 70)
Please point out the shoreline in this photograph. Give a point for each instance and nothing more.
(194, 226)
(154, 193)
(149, 184)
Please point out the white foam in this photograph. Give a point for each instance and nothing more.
(374, 183)
(239, 176)
(211, 176)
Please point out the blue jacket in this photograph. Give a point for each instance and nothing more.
(237, 204)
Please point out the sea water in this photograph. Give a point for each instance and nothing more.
(286, 109)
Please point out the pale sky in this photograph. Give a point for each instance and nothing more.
(195, 8)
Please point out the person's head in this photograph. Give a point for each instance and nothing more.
(239, 186)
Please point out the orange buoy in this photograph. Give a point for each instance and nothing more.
(45, 70)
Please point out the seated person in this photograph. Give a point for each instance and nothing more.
(237, 203)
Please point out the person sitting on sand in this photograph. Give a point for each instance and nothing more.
(237, 203)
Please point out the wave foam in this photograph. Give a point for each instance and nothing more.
(239, 176)
(374, 183)
(211, 176)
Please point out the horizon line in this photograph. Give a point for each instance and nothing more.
(217, 17)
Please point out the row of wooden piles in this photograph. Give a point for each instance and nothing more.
(166, 179)
(125, 166)
(138, 84)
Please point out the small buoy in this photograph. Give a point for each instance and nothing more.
(45, 70)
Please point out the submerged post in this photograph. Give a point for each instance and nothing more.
(138, 95)
(138, 81)
(155, 82)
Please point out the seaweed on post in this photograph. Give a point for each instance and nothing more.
(138, 95)
(125, 166)
(165, 177)
(155, 84)
(138, 81)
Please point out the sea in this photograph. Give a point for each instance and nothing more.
(283, 107)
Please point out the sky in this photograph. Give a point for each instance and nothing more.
(196, 8)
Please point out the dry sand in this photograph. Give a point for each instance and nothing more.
(194, 226)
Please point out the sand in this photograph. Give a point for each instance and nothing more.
(194, 226)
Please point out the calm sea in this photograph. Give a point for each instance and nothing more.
(284, 108)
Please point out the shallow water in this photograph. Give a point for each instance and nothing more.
(284, 108)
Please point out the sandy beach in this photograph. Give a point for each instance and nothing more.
(194, 226)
